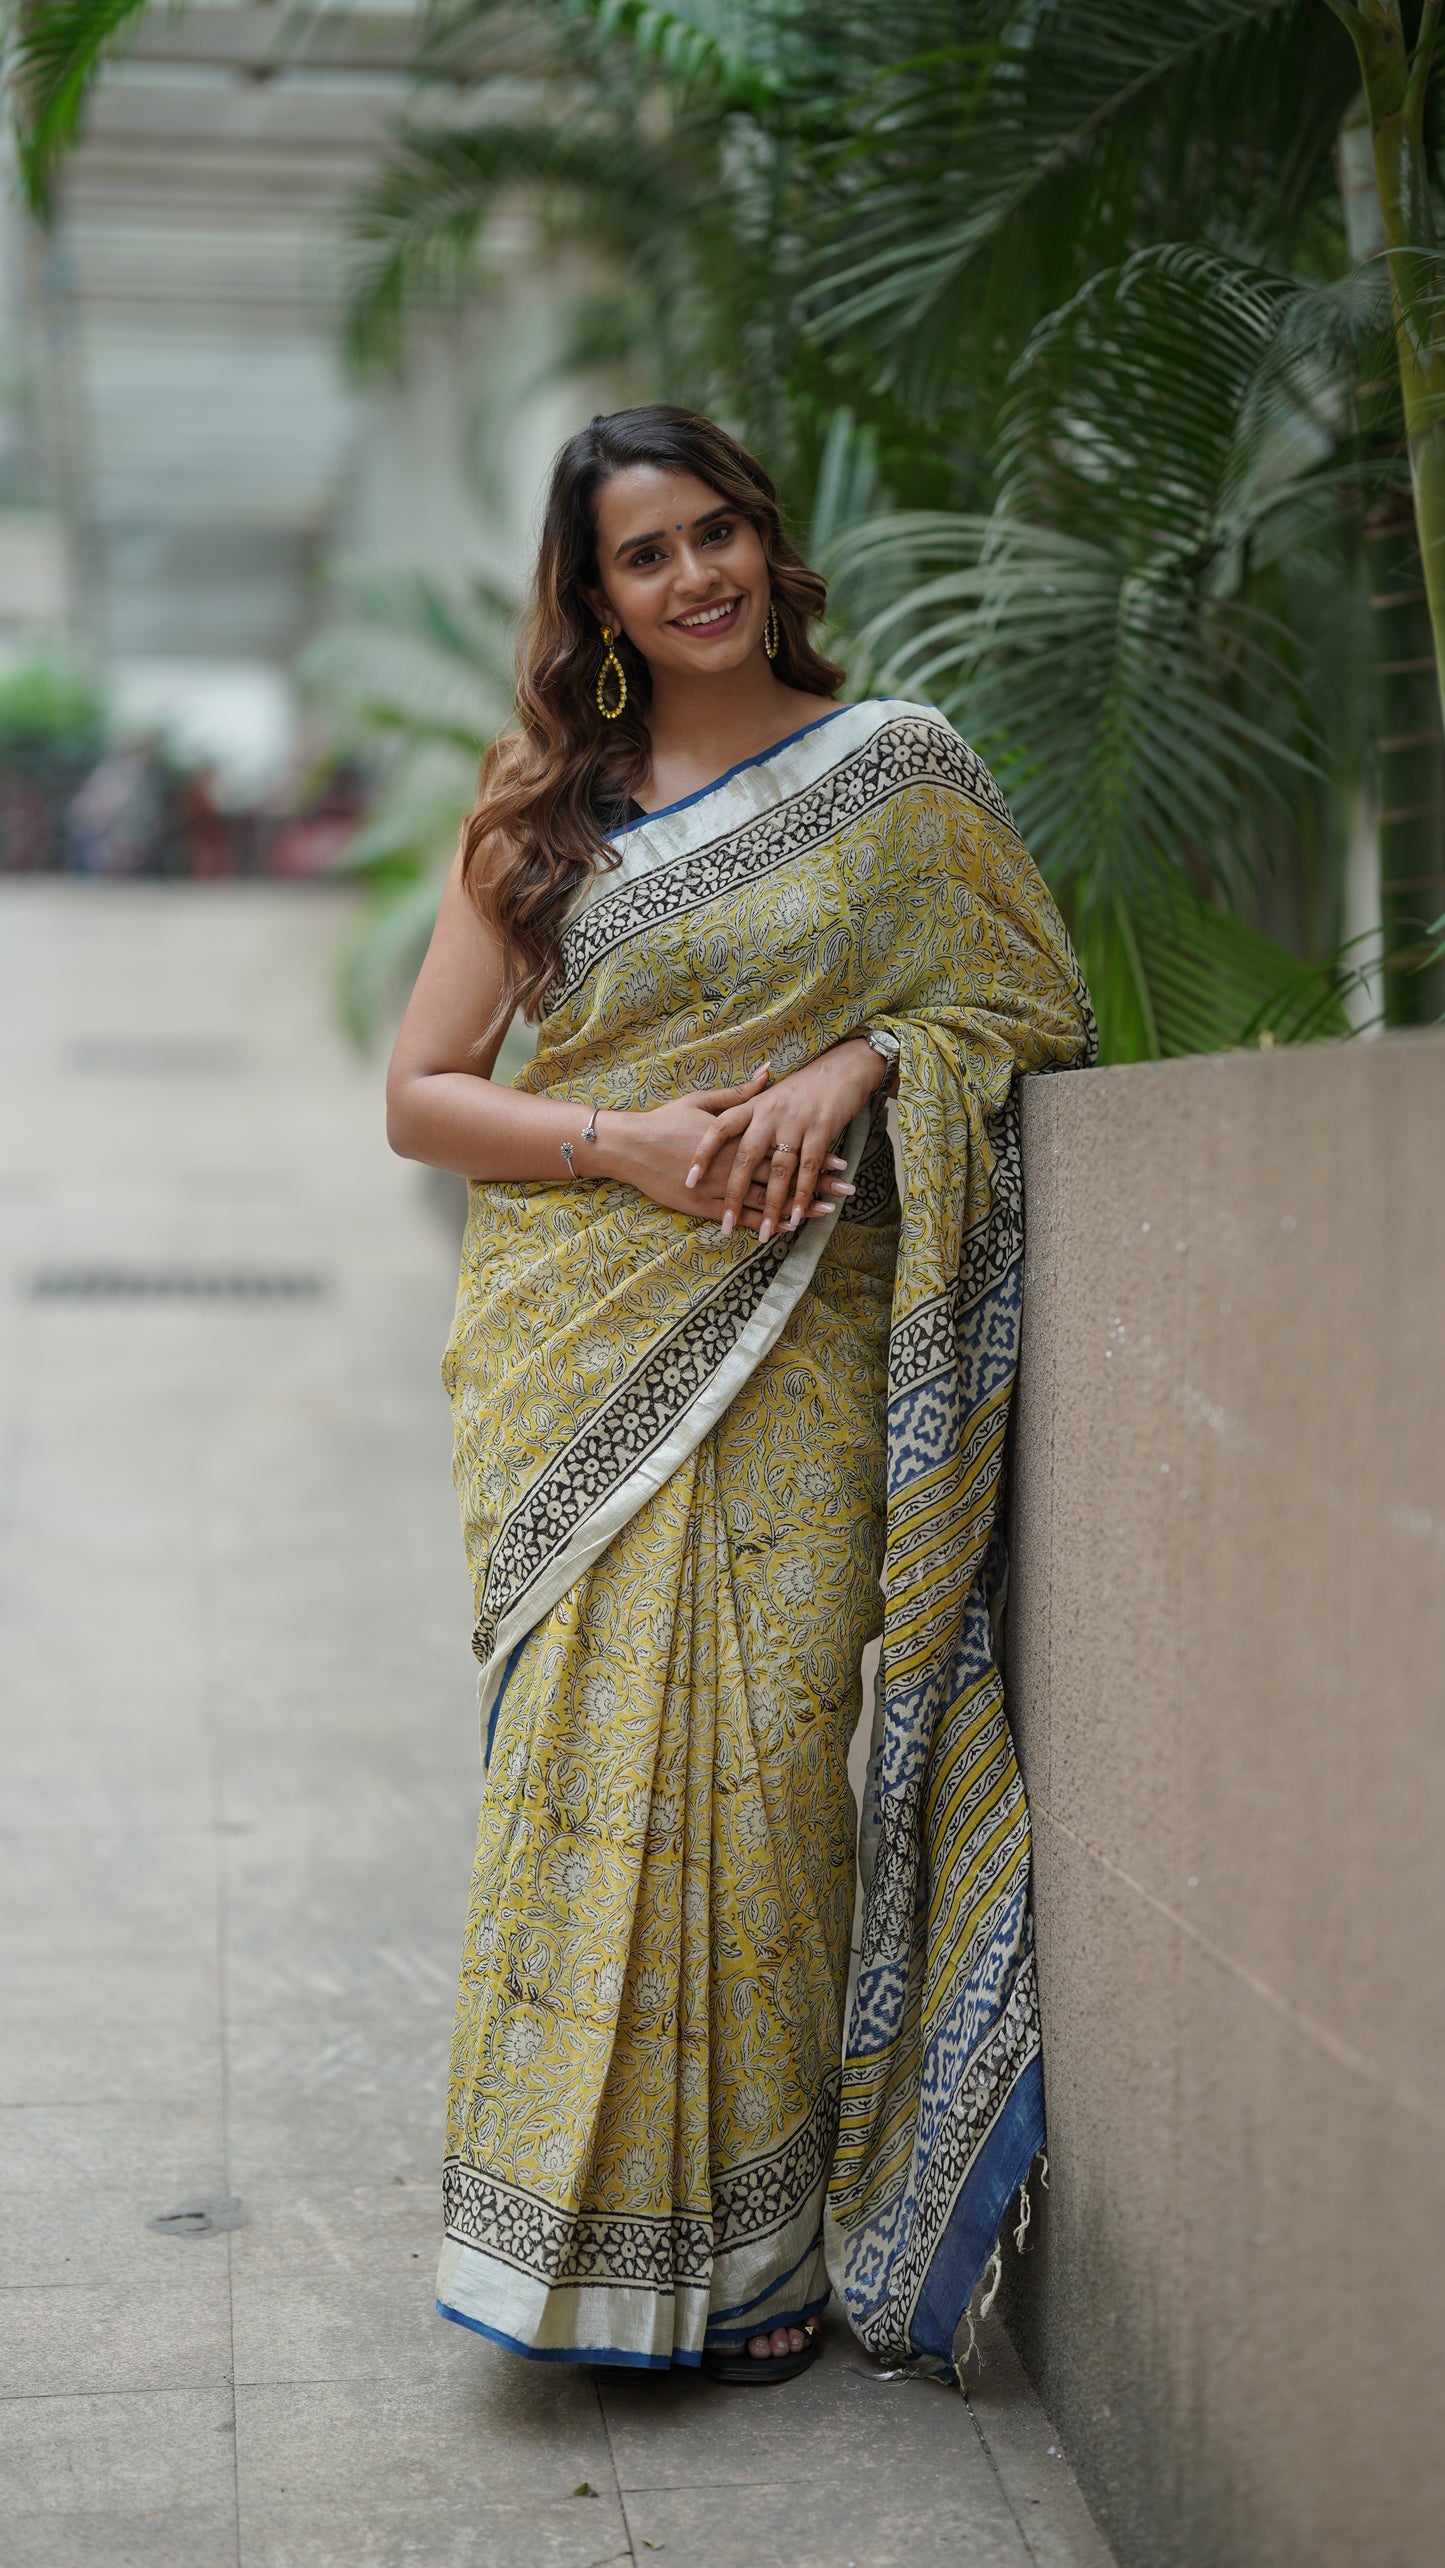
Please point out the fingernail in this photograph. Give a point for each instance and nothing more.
(692, 1176)
(727, 1223)
(835, 1163)
(767, 1229)
(794, 1218)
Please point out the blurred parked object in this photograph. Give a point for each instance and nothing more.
(113, 825)
(82, 794)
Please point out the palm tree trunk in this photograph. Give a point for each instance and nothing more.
(1410, 765)
(1409, 595)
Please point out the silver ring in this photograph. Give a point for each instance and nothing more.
(782, 1152)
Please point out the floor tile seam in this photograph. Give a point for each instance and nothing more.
(268, 2507)
(161, 2289)
(244, 2384)
(88, 2103)
(201, 1830)
(606, 2425)
(222, 1911)
(1399, 2091)
(16, 1955)
(716, 2487)
(103, 2103)
(139, 2390)
(1005, 2499)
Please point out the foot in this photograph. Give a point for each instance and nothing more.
(783, 2340)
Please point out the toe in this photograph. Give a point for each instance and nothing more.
(760, 2346)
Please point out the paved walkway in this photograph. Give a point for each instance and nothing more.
(241, 1783)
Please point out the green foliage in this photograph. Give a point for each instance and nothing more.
(1043, 311)
(1116, 635)
(56, 48)
(51, 714)
(416, 679)
(1002, 153)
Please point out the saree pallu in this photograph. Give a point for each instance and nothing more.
(696, 1474)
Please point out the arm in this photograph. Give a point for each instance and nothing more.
(441, 1106)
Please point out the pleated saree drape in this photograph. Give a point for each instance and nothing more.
(696, 1475)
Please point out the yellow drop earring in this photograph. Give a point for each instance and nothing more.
(770, 634)
(610, 712)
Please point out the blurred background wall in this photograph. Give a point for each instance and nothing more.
(191, 481)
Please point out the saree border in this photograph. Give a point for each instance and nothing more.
(683, 861)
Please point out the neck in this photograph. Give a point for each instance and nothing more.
(726, 715)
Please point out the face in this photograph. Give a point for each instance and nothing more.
(681, 574)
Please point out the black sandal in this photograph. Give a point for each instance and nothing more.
(743, 2371)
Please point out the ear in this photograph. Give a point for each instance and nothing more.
(597, 602)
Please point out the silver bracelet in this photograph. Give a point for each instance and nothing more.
(588, 1133)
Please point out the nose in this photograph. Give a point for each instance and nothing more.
(694, 574)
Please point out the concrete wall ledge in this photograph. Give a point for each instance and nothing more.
(1226, 1658)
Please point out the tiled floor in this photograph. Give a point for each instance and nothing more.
(240, 1784)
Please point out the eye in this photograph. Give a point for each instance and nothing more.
(720, 534)
(643, 561)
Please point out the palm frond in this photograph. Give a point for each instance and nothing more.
(982, 180)
(57, 48)
(417, 679)
(717, 48)
(382, 953)
(415, 230)
(1172, 974)
(411, 659)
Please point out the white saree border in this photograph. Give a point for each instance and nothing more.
(570, 2322)
(751, 791)
(749, 2290)
(591, 1537)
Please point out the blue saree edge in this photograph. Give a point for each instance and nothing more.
(1001, 2167)
(507, 1673)
(568, 2353)
(725, 2340)
(664, 811)
(741, 2309)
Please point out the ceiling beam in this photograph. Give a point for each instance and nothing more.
(259, 42)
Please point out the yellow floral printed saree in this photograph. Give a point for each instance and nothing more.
(696, 1476)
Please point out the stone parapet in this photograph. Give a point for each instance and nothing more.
(1226, 1651)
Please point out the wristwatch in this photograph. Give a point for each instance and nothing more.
(885, 1044)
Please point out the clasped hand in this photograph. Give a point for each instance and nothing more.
(757, 1157)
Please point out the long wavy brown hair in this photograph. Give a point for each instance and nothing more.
(547, 787)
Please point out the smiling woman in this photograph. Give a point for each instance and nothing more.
(707, 1387)
(663, 532)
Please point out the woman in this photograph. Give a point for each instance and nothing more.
(708, 1389)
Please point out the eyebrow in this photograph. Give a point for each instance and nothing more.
(658, 532)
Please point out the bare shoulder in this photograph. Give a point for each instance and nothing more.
(810, 708)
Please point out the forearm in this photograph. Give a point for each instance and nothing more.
(457, 1120)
